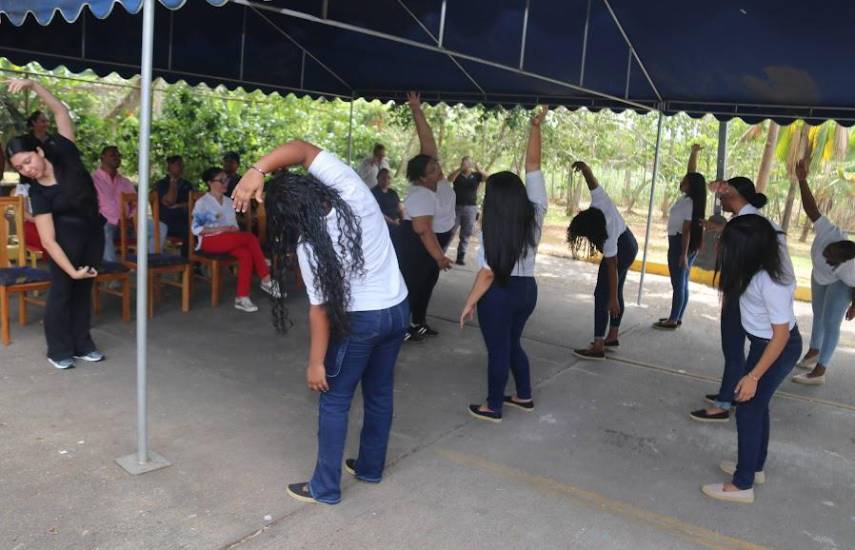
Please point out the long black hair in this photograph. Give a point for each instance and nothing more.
(75, 180)
(748, 245)
(745, 187)
(300, 205)
(508, 224)
(696, 189)
(587, 232)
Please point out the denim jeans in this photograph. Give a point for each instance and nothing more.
(366, 355)
(679, 277)
(733, 348)
(465, 221)
(111, 232)
(829, 303)
(502, 314)
(627, 250)
(752, 416)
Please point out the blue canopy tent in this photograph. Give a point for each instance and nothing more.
(745, 61)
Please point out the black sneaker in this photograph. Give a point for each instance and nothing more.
(489, 416)
(412, 336)
(701, 415)
(460, 261)
(350, 466)
(527, 406)
(425, 330)
(589, 355)
(300, 491)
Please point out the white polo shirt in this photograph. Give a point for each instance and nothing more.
(421, 201)
(826, 233)
(381, 286)
(766, 302)
(615, 225)
(681, 212)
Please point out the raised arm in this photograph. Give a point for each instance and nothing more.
(64, 125)
(693, 158)
(586, 172)
(251, 185)
(426, 140)
(533, 151)
(808, 200)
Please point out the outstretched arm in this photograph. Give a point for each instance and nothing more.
(426, 140)
(251, 185)
(693, 158)
(64, 125)
(533, 151)
(808, 200)
(586, 172)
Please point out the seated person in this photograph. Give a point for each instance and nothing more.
(215, 225)
(110, 185)
(173, 192)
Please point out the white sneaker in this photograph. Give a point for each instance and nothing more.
(809, 380)
(272, 287)
(91, 357)
(62, 363)
(729, 467)
(808, 364)
(245, 304)
(716, 491)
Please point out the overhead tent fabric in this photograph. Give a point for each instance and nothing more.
(753, 59)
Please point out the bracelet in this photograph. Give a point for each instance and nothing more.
(753, 377)
(259, 170)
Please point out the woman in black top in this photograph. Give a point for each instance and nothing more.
(65, 209)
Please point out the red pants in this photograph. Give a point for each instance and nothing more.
(243, 246)
(31, 234)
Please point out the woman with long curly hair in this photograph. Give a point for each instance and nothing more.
(685, 236)
(751, 271)
(602, 229)
(505, 291)
(358, 311)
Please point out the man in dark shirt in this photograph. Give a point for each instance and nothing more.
(231, 165)
(174, 193)
(466, 180)
(390, 204)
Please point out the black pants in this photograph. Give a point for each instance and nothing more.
(419, 269)
(69, 301)
(178, 225)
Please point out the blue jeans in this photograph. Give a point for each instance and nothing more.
(679, 276)
(366, 355)
(752, 417)
(111, 231)
(829, 304)
(502, 314)
(733, 348)
(627, 250)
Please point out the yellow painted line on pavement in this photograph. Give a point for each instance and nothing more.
(693, 533)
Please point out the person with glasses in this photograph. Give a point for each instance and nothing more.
(216, 228)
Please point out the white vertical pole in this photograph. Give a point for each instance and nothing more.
(144, 460)
(650, 207)
(350, 134)
(721, 161)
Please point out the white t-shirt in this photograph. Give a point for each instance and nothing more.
(615, 226)
(826, 233)
(368, 170)
(208, 212)
(535, 188)
(846, 273)
(766, 302)
(788, 272)
(381, 286)
(421, 201)
(681, 212)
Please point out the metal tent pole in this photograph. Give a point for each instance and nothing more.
(650, 206)
(143, 460)
(350, 135)
(721, 161)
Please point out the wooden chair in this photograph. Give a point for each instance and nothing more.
(158, 264)
(109, 272)
(213, 262)
(18, 280)
(172, 242)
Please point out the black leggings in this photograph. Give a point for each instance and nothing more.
(68, 309)
(419, 269)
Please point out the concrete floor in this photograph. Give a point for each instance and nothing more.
(609, 459)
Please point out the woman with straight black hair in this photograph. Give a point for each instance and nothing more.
(751, 271)
(602, 229)
(358, 308)
(426, 228)
(65, 211)
(685, 236)
(505, 291)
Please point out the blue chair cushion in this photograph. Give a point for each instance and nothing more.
(161, 260)
(108, 268)
(22, 275)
